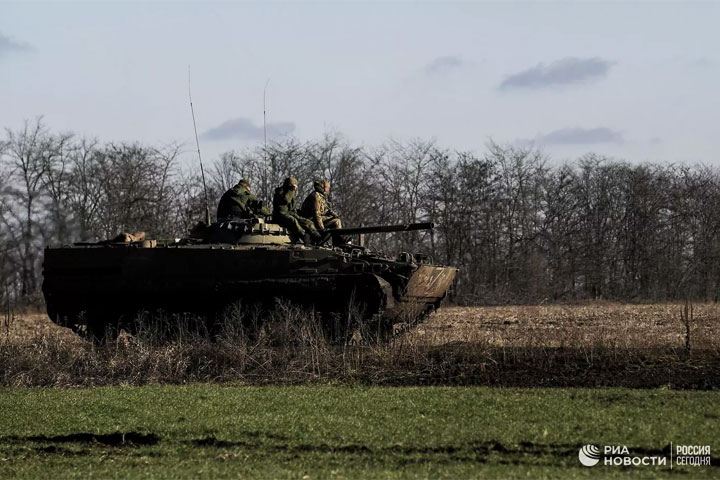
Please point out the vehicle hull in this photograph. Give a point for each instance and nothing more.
(97, 285)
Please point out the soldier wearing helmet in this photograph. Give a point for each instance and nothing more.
(285, 214)
(239, 202)
(317, 208)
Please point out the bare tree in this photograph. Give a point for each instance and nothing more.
(226, 172)
(84, 189)
(30, 154)
(520, 231)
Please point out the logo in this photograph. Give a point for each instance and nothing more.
(589, 455)
(694, 455)
(619, 455)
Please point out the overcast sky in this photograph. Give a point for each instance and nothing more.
(637, 81)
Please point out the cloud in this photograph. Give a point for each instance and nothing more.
(443, 64)
(8, 45)
(704, 62)
(575, 136)
(566, 71)
(244, 129)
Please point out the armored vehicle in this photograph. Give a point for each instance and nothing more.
(92, 286)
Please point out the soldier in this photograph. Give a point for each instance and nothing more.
(317, 208)
(284, 213)
(238, 202)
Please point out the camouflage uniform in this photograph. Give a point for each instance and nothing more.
(284, 213)
(317, 208)
(238, 202)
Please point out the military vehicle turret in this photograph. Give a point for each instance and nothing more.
(92, 286)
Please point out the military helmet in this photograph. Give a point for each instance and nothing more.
(319, 185)
(244, 183)
(290, 182)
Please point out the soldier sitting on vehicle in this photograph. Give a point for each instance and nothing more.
(284, 213)
(238, 202)
(317, 208)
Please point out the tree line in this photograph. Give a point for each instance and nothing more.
(520, 228)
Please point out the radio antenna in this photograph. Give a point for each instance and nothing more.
(265, 123)
(197, 143)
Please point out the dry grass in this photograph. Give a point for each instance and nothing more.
(609, 324)
(601, 344)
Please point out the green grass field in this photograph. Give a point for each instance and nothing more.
(343, 432)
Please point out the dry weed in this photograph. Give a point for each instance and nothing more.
(557, 345)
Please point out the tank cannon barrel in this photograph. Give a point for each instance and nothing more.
(405, 227)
